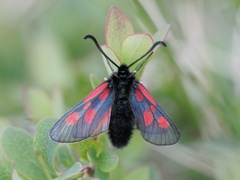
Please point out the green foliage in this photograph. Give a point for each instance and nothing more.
(45, 67)
(44, 148)
(84, 147)
(118, 27)
(17, 146)
(73, 171)
(106, 161)
(34, 158)
(64, 156)
(5, 173)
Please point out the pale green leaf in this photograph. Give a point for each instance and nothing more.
(118, 27)
(83, 148)
(44, 146)
(107, 161)
(64, 155)
(5, 173)
(102, 143)
(73, 171)
(92, 155)
(101, 175)
(17, 146)
(134, 46)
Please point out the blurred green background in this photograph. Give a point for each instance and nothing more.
(196, 79)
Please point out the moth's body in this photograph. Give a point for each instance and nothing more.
(122, 118)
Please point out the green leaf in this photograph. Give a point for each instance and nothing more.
(5, 173)
(64, 155)
(139, 174)
(73, 171)
(102, 143)
(83, 147)
(100, 174)
(134, 46)
(107, 161)
(44, 146)
(92, 155)
(118, 27)
(17, 146)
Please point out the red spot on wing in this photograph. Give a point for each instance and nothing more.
(104, 95)
(72, 119)
(89, 115)
(146, 94)
(153, 109)
(96, 91)
(86, 106)
(139, 96)
(148, 117)
(162, 122)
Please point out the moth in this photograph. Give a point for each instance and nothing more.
(117, 106)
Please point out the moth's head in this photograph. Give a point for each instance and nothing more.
(123, 71)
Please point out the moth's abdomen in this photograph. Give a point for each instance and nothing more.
(121, 123)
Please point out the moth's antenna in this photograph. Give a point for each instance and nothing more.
(147, 53)
(100, 49)
(139, 67)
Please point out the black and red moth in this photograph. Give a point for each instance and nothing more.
(118, 105)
